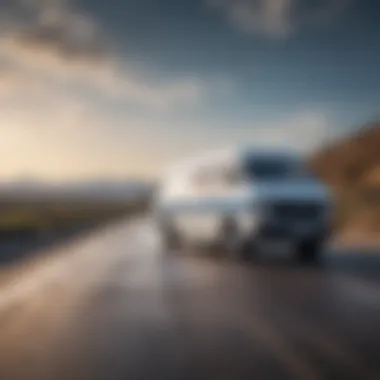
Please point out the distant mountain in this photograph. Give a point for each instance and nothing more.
(96, 190)
(352, 167)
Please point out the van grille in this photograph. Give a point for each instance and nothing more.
(296, 211)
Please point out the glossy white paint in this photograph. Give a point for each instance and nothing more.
(198, 211)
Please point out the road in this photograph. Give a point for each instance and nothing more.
(114, 306)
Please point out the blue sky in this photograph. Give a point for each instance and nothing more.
(118, 88)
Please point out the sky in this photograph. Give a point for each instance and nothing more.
(121, 89)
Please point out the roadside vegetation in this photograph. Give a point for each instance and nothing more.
(40, 217)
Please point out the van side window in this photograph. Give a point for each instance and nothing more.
(232, 176)
(216, 177)
(203, 178)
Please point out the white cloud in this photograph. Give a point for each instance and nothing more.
(108, 80)
(279, 18)
(57, 26)
(60, 83)
(55, 121)
(57, 42)
(61, 138)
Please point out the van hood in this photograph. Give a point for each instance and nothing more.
(291, 190)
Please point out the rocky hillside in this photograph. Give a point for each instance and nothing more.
(352, 168)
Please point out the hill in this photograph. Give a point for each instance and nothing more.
(352, 168)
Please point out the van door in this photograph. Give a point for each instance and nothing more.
(210, 188)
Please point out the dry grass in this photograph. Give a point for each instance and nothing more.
(42, 216)
(352, 168)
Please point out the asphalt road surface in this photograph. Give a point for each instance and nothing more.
(114, 306)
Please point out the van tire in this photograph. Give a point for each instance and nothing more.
(310, 251)
(171, 239)
(233, 247)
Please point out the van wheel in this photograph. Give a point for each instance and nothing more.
(231, 240)
(170, 237)
(309, 251)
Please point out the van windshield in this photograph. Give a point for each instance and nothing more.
(276, 168)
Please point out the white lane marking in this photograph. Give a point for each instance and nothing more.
(333, 348)
(343, 287)
(292, 361)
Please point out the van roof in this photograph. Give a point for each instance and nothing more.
(230, 156)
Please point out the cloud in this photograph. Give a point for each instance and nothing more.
(279, 18)
(112, 80)
(73, 112)
(62, 135)
(66, 93)
(58, 42)
(67, 137)
(56, 26)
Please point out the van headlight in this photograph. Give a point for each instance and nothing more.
(245, 220)
(249, 218)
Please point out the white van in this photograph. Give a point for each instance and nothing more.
(239, 199)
